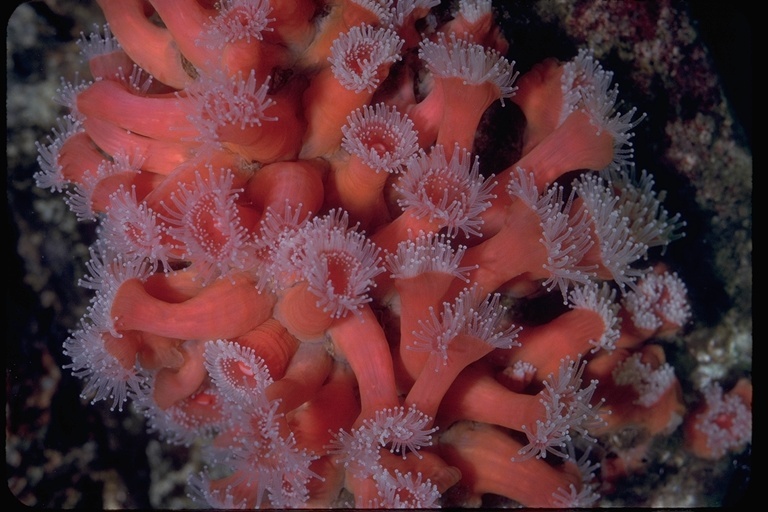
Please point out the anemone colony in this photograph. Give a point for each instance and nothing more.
(302, 265)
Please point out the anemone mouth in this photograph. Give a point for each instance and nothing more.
(382, 137)
(340, 266)
(230, 109)
(357, 59)
(196, 415)
(338, 263)
(212, 232)
(131, 227)
(137, 236)
(204, 226)
(379, 139)
(237, 372)
(451, 193)
(362, 70)
(442, 190)
(339, 284)
(206, 223)
(240, 21)
(361, 57)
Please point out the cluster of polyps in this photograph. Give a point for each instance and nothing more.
(302, 265)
